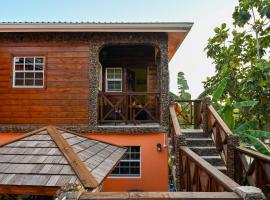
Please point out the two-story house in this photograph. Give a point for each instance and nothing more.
(109, 81)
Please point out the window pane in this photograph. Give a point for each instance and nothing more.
(19, 75)
(38, 67)
(19, 82)
(19, 67)
(29, 75)
(39, 60)
(114, 85)
(29, 81)
(19, 60)
(29, 67)
(29, 60)
(39, 82)
(38, 75)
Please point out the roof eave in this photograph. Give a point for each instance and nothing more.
(95, 27)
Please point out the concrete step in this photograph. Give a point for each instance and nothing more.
(191, 142)
(205, 151)
(223, 169)
(194, 133)
(214, 160)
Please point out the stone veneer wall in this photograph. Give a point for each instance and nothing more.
(96, 42)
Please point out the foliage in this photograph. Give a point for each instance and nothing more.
(183, 86)
(241, 59)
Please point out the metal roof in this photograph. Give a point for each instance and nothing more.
(94, 27)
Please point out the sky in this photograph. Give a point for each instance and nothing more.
(190, 57)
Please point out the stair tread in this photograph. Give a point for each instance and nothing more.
(221, 167)
(191, 130)
(211, 157)
(202, 147)
(197, 139)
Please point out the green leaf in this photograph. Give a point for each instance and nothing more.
(246, 126)
(259, 133)
(227, 115)
(240, 105)
(219, 91)
(259, 145)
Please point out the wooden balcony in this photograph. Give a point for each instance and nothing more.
(128, 108)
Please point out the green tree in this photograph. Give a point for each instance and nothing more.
(241, 59)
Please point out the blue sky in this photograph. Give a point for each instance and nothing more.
(190, 58)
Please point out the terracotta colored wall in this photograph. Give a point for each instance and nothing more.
(154, 167)
(5, 137)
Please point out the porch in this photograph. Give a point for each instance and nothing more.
(128, 85)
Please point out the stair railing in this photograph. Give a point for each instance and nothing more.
(197, 175)
(253, 168)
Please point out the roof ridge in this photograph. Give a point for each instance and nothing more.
(78, 166)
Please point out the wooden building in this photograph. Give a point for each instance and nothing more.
(108, 81)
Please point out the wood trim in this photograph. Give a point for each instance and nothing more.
(31, 190)
(85, 176)
(160, 195)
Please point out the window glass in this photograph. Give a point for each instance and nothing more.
(130, 165)
(28, 72)
(114, 79)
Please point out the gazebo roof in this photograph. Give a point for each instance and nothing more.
(54, 157)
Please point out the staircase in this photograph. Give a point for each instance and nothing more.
(203, 145)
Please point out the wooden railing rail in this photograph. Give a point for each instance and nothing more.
(128, 107)
(219, 132)
(253, 169)
(160, 195)
(200, 176)
(174, 126)
(191, 112)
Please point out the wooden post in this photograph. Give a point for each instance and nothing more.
(197, 114)
(206, 102)
(232, 163)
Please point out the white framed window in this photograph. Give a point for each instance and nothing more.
(28, 72)
(130, 165)
(113, 80)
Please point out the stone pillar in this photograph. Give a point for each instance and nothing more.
(180, 141)
(70, 192)
(233, 170)
(205, 103)
(250, 193)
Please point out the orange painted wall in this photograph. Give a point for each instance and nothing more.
(154, 167)
(154, 164)
(5, 137)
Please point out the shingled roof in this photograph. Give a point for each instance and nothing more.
(54, 157)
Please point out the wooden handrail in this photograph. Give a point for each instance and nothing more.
(254, 154)
(160, 195)
(219, 120)
(203, 170)
(174, 120)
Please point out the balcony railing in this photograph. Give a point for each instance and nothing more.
(128, 107)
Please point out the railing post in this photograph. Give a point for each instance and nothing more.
(180, 141)
(205, 103)
(197, 114)
(250, 193)
(232, 163)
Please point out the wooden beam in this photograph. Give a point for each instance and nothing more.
(159, 195)
(85, 176)
(30, 190)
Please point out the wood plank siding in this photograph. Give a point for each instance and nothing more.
(63, 100)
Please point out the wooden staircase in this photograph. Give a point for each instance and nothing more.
(203, 145)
